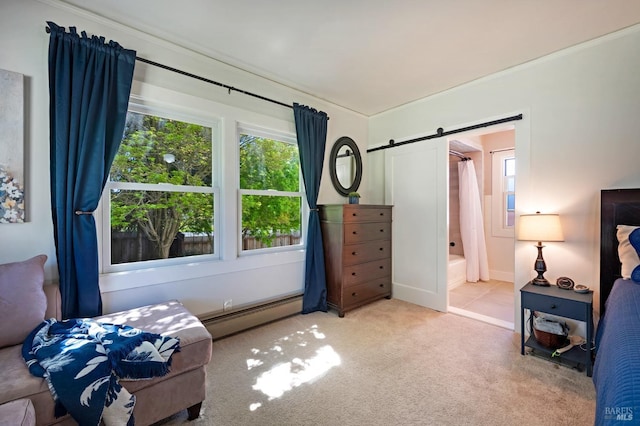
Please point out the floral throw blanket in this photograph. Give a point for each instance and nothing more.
(82, 361)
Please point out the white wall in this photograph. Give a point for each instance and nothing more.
(579, 135)
(499, 248)
(202, 288)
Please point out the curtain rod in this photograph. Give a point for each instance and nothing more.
(206, 80)
(459, 155)
(441, 132)
(501, 150)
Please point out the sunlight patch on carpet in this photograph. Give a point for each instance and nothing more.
(289, 375)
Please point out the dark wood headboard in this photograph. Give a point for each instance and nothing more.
(617, 207)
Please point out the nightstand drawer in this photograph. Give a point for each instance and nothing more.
(555, 306)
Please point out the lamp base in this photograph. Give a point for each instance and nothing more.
(541, 281)
(540, 267)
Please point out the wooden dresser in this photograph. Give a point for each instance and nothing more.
(357, 254)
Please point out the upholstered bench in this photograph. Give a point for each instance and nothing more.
(158, 398)
(184, 386)
(17, 413)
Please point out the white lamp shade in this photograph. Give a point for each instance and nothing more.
(540, 227)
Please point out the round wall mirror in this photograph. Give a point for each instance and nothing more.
(345, 165)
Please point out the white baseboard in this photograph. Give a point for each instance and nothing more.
(455, 283)
(502, 275)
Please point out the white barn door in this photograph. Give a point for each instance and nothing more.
(416, 184)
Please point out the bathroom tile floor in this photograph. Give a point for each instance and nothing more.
(491, 298)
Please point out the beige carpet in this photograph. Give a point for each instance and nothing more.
(389, 363)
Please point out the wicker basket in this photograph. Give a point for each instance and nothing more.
(550, 340)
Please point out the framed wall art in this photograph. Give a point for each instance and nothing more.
(12, 209)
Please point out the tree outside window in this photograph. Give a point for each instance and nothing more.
(161, 192)
(270, 192)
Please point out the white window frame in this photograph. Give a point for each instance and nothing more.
(499, 193)
(103, 217)
(243, 128)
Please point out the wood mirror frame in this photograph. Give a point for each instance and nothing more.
(357, 164)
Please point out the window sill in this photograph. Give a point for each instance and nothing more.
(125, 280)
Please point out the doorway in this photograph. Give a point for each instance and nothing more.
(490, 299)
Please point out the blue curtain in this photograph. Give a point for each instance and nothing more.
(89, 86)
(311, 129)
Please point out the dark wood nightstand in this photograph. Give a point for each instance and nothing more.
(562, 303)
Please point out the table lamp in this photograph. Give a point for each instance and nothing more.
(540, 227)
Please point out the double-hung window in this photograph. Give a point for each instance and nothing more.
(159, 203)
(271, 198)
(504, 196)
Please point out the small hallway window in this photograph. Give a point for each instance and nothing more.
(503, 171)
(509, 186)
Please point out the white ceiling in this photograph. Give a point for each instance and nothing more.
(371, 55)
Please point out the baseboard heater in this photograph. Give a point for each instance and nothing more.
(228, 323)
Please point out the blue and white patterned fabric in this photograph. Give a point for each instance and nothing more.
(82, 361)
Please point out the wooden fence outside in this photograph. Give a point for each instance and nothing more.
(134, 247)
(252, 243)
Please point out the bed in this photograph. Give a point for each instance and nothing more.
(616, 373)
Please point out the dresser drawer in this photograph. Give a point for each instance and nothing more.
(356, 295)
(553, 305)
(361, 272)
(357, 232)
(366, 252)
(376, 214)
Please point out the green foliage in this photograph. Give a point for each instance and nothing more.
(266, 164)
(141, 158)
(155, 150)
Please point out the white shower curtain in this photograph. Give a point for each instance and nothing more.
(472, 223)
